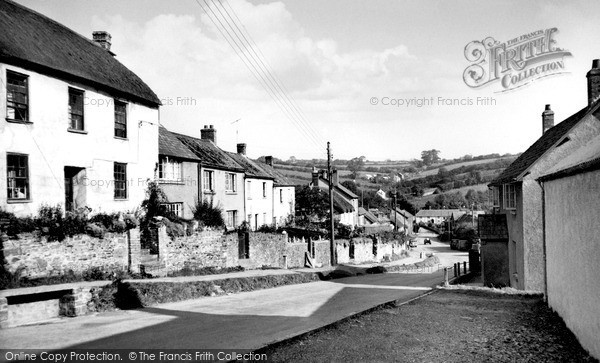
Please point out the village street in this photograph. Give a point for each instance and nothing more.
(248, 320)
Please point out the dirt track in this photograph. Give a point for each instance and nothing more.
(446, 326)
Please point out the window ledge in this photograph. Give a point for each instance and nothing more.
(167, 181)
(13, 121)
(121, 199)
(121, 138)
(209, 192)
(230, 193)
(17, 201)
(75, 131)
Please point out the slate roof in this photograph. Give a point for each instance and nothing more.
(251, 167)
(368, 215)
(170, 145)
(586, 158)
(518, 167)
(33, 41)
(208, 153)
(280, 179)
(444, 213)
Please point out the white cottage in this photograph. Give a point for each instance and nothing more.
(79, 128)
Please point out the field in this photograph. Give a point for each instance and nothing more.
(458, 165)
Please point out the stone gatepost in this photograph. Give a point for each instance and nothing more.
(135, 250)
(3, 312)
(75, 304)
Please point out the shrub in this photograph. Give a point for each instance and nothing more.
(174, 229)
(130, 221)
(209, 214)
(265, 228)
(50, 222)
(17, 225)
(76, 221)
(95, 230)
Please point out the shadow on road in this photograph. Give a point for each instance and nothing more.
(191, 327)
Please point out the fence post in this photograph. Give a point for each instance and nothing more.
(458, 268)
(446, 276)
(465, 267)
(455, 273)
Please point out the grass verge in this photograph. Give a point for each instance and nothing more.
(132, 295)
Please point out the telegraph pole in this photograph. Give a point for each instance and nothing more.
(395, 216)
(331, 229)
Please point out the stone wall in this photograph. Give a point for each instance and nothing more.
(295, 253)
(39, 257)
(201, 249)
(368, 250)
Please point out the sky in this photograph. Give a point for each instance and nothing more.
(380, 79)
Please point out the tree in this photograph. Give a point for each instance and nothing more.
(430, 156)
(311, 204)
(355, 165)
(292, 159)
(372, 200)
(351, 186)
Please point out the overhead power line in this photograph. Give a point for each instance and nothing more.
(245, 48)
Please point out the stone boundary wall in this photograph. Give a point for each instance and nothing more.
(38, 257)
(41, 258)
(201, 249)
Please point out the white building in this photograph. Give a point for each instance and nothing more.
(79, 128)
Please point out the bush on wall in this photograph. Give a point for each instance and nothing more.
(52, 223)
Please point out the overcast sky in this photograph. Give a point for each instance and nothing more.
(333, 58)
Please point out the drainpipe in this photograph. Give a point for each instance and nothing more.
(541, 183)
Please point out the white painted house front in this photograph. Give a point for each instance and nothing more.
(79, 129)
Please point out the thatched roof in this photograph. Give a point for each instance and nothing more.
(33, 41)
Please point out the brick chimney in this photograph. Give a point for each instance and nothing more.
(269, 160)
(103, 39)
(335, 178)
(209, 133)
(315, 177)
(547, 119)
(241, 149)
(593, 77)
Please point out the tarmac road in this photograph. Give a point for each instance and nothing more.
(248, 320)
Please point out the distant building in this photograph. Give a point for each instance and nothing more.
(437, 216)
(79, 128)
(382, 194)
(430, 191)
(345, 201)
(194, 169)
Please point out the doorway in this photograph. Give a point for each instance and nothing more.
(74, 188)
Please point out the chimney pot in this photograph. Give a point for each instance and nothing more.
(102, 38)
(241, 149)
(211, 126)
(593, 80)
(547, 119)
(269, 160)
